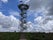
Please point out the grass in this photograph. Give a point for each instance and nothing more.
(29, 36)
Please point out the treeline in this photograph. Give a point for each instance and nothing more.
(29, 36)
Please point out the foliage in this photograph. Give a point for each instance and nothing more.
(29, 36)
(9, 36)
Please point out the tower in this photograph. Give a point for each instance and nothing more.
(23, 8)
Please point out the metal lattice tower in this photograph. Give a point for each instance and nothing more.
(23, 14)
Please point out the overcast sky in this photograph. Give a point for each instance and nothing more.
(39, 16)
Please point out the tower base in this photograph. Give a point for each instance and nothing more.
(22, 39)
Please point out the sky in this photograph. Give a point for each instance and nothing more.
(39, 16)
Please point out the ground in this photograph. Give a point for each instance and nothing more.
(28, 36)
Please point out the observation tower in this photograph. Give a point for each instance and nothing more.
(23, 8)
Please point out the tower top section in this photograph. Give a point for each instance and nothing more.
(23, 6)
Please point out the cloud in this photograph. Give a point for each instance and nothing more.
(4, 1)
(11, 24)
(40, 26)
(25, 1)
(43, 23)
(50, 11)
(8, 23)
(45, 5)
(34, 4)
(38, 19)
(14, 13)
(48, 26)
